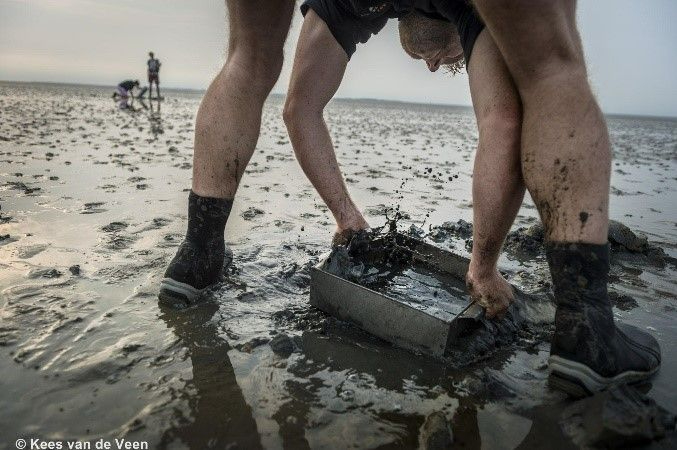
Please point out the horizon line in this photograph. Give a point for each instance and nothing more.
(283, 94)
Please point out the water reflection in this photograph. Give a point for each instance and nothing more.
(154, 116)
(219, 414)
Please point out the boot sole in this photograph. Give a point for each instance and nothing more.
(579, 380)
(176, 294)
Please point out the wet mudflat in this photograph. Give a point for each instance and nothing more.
(93, 201)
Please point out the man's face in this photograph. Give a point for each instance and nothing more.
(435, 42)
(436, 57)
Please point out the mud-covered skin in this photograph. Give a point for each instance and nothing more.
(585, 331)
(200, 258)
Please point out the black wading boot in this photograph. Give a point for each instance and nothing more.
(200, 260)
(590, 352)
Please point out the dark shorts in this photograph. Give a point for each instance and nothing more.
(153, 77)
(347, 24)
(355, 21)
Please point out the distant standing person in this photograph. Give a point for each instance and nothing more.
(153, 74)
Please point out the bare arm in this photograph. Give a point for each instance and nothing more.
(498, 186)
(318, 69)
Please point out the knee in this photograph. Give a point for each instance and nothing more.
(260, 65)
(289, 112)
(301, 107)
(293, 113)
(501, 123)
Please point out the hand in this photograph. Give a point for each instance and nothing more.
(345, 236)
(492, 292)
(352, 222)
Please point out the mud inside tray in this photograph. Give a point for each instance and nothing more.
(401, 289)
(417, 284)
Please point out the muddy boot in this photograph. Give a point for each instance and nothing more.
(200, 260)
(590, 352)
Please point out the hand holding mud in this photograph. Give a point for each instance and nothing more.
(355, 240)
(493, 293)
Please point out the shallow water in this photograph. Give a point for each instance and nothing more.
(87, 354)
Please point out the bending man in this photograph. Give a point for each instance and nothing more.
(589, 351)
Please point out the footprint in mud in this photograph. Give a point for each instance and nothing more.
(156, 224)
(6, 239)
(22, 187)
(35, 311)
(93, 208)
(44, 272)
(30, 251)
(122, 272)
(114, 226)
(116, 239)
(5, 219)
(170, 240)
(119, 241)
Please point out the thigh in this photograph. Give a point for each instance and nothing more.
(535, 37)
(259, 23)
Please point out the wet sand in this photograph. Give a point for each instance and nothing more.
(93, 201)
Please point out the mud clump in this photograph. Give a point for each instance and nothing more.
(621, 235)
(622, 241)
(526, 240)
(622, 301)
(252, 344)
(484, 336)
(619, 418)
(251, 213)
(282, 345)
(459, 229)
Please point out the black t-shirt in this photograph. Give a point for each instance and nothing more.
(352, 21)
(355, 21)
(127, 85)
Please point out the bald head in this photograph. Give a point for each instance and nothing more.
(435, 41)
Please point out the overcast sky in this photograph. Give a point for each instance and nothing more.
(631, 48)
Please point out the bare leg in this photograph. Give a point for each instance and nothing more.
(229, 118)
(566, 156)
(566, 161)
(498, 187)
(226, 132)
